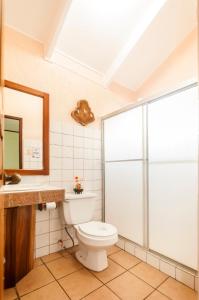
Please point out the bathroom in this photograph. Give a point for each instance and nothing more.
(104, 95)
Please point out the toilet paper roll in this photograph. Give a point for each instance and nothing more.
(50, 205)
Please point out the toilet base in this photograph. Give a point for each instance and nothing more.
(92, 258)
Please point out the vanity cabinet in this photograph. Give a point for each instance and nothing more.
(19, 243)
(19, 218)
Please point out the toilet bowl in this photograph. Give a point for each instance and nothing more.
(94, 238)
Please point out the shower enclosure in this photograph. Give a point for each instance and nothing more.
(150, 157)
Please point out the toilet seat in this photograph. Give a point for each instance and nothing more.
(97, 229)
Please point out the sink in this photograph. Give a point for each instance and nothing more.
(14, 188)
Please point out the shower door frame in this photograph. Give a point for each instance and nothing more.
(184, 86)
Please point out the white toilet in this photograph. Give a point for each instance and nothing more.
(93, 237)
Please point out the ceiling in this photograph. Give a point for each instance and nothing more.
(120, 41)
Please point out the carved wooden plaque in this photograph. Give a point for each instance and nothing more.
(82, 113)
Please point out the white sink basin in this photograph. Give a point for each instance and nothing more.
(14, 188)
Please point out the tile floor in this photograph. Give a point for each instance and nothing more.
(59, 276)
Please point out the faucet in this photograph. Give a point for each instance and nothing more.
(12, 179)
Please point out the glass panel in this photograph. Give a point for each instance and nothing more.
(11, 124)
(173, 190)
(124, 198)
(173, 127)
(123, 136)
(11, 149)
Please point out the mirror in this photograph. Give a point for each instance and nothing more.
(26, 130)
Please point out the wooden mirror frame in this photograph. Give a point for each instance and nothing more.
(45, 98)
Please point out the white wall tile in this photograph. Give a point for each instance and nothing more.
(55, 151)
(55, 248)
(78, 142)
(55, 138)
(42, 215)
(67, 128)
(185, 278)
(78, 152)
(79, 173)
(67, 163)
(78, 130)
(55, 236)
(88, 164)
(56, 175)
(73, 152)
(196, 283)
(42, 227)
(42, 240)
(55, 224)
(55, 163)
(55, 213)
(78, 164)
(68, 140)
(88, 143)
(67, 151)
(42, 251)
(120, 243)
(88, 132)
(129, 247)
(167, 268)
(140, 253)
(88, 153)
(153, 261)
(67, 175)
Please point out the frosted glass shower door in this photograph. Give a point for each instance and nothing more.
(173, 176)
(123, 151)
(124, 198)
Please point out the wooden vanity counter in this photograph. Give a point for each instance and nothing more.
(19, 219)
(24, 198)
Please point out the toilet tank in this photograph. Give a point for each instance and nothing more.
(79, 208)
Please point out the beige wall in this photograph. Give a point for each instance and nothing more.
(24, 64)
(181, 66)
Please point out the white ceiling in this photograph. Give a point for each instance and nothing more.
(94, 31)
(106, 40)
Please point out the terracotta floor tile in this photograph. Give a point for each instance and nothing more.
(125, 259)
(110, 273)
(157, 296)
(35, 279)
(149, 274)
(72, 250)
(63, 266)
(50, 257)
(129, 287)
(79, 284)
(112, 249)
(177, 291)
(102, 293)
(65, 252)
(51, 291)
(38, 262)
(10, 294)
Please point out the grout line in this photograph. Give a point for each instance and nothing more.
(18, 297)
(91, 292)
(57, 280)
(35, 289)
(127, 269)
(163, 281)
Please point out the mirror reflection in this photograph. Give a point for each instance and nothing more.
(23, 130)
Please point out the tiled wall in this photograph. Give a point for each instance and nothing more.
(74, 151)
(180, 273)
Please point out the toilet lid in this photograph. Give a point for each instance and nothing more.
(97, 229)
